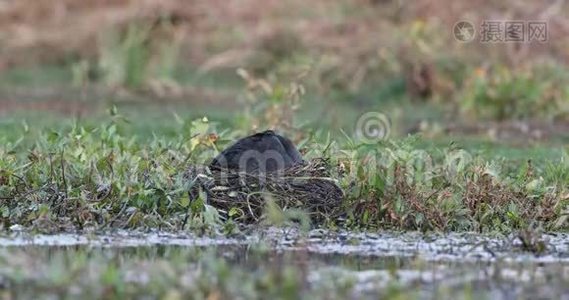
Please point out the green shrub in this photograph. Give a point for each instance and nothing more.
(502, 93)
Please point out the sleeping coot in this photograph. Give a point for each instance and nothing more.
(262, 152)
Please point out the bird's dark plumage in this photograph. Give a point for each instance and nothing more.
(259, 153)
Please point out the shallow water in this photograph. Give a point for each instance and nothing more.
(463, 247)
(493, 267)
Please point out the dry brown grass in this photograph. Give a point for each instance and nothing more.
(356, 34)
(347, 45)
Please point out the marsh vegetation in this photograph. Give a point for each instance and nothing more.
(451, 157)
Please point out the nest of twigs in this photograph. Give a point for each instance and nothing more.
(307, 187)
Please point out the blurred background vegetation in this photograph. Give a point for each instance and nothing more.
(252, 64)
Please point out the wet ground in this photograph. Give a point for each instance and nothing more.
(452, 266)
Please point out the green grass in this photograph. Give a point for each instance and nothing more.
(36, 76)
(123, 174)
(125, 169)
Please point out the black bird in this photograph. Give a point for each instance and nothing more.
(262, 152)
